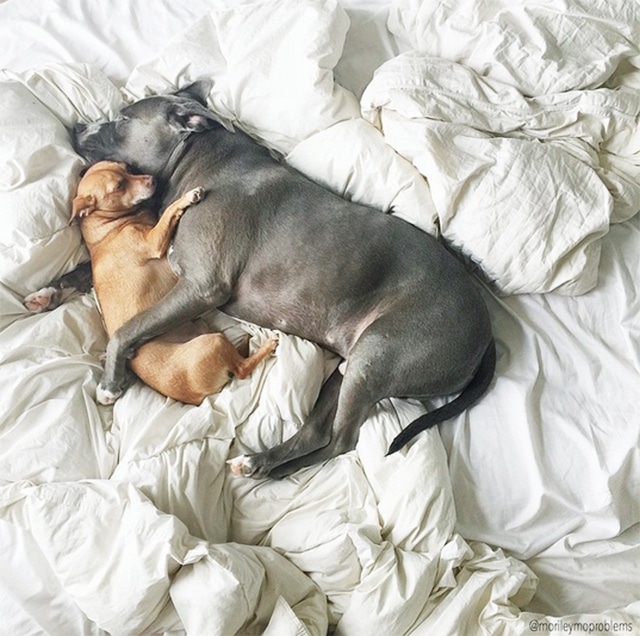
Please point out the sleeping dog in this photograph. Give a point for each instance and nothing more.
(128, 247)
(271, 247)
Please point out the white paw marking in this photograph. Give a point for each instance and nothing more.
(106, 397)
(236, 464)
(39, 300)
(240, 465)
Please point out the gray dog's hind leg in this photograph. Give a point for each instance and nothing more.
(362, 386)
(377, 368)
(181, 304)
(354, 405)
(313, 434)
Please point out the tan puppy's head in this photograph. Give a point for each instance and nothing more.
(109, 187)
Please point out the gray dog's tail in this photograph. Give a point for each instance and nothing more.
(472, 392)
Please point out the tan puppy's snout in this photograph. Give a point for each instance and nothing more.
(148, 181)
(144, 187)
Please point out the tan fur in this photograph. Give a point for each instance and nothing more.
(131, 273)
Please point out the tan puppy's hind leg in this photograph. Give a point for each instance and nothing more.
(246, 365)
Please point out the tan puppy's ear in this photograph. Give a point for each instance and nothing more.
(82, 205)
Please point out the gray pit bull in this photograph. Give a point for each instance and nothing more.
(271, 247)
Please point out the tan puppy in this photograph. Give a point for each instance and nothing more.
(128, 248)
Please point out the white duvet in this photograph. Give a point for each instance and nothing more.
(126, 519)
(523, 117)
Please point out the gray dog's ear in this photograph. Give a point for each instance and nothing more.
(198, 90)
(192, 114)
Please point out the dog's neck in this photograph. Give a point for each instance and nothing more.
(98, 225)
(173, 160)
(163, 176)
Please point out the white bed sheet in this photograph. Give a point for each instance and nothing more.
(546, 467)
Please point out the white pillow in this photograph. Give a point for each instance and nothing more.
(272, 65)
(39, 169)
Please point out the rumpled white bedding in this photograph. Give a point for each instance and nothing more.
(492, 89)
(125, 520)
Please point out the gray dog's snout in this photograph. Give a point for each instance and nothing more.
(149, 181)
(77, 135)
(87, 139)
(82, 131)
(78, 130)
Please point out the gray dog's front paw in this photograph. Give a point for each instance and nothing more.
(105, 396)
(110, 389)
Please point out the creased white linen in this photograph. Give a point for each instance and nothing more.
(483, 78)
(538, 46)
(262, 76)
(40, 166)
(236, 588)
(128, 543)
(352, 159)
(564, 412)
(525, 187)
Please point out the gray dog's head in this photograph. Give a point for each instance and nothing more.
(145, 133)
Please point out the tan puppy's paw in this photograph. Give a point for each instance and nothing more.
(196, 195)
(273, 343)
